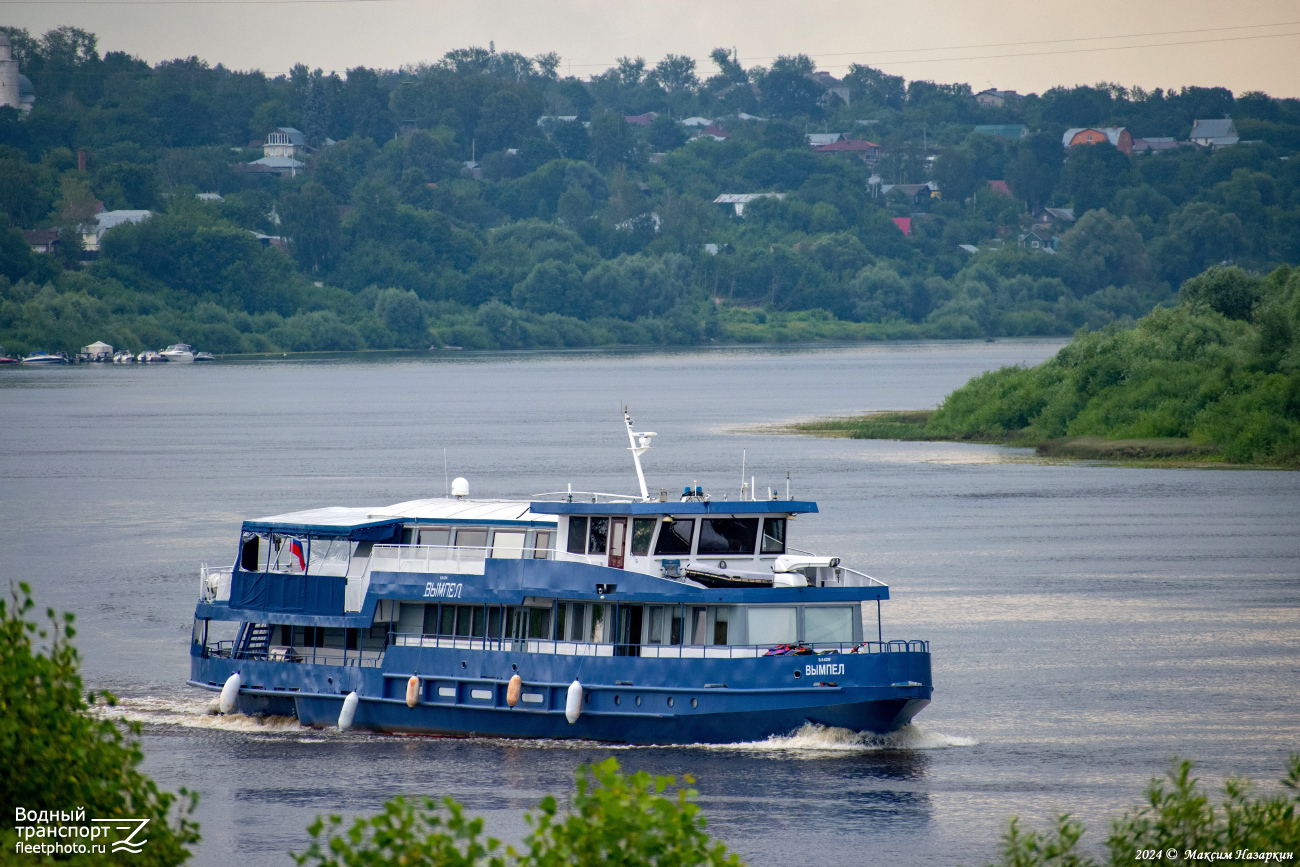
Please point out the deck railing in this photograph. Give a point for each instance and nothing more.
(659, 651)
(447, 558)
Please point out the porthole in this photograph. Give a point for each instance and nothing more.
(670, 701)
(797, 673)
(586, 696)
(638, 701)
(331, 680)
(462, 663)
(695, 702)
(617, 700)
(514, 666)
(722, 564)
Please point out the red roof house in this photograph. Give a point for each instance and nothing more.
(904, 223)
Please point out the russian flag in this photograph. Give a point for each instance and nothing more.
(295, 548)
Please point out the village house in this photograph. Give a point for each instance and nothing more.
(92, 233)
(860, 148)
(831, 85)
(821, 139)
(1214, 133)
(993, 98)
(1049, 217)
(918, 193)
(1039, 240)
(1011, 131)
(738, 200)
(1155, 144)
(641, 119)
(1118, 136)
(42, 240)
(280, 153)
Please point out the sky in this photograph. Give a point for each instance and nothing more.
(1023, 46)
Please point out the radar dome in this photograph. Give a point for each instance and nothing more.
(459, 488)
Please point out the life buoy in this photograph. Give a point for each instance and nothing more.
(413, 691)
(349, 711)
(513, 690)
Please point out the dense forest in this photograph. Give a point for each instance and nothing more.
(486, 200)
(1216, 377)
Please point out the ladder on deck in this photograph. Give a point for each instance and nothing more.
(257, 641)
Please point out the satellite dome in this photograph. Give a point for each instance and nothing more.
(459, 488)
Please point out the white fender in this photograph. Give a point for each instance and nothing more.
(349, 711)
(512, 691)
(573, 702)
(413, 691)
(230, 693)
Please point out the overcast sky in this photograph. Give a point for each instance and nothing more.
(1126, 41)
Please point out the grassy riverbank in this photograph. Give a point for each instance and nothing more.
(1215, 380)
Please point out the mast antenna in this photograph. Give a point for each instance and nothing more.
(640, 444)
(446, 477)
(743, 454)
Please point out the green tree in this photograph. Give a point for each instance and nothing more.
(615, 819)
(1230, 291)
(61, 755)
(1092, 173)
(311, 220)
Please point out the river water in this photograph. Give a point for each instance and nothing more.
(1088, 623)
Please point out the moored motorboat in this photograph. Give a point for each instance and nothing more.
(181, 353)
(42, 357)
(616, 618)
(204, 356)
(6, 358)
(149, 357)
(124, 357)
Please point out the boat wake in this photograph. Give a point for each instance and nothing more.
(811, 737)
(200, 713)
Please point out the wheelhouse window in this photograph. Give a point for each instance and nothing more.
(675, 537)
(328, 556)
(440, 537)
(577, 535)
(541, 545)
(728, 535)
(773, 536)
(655, 630)
(473, 543)
(509, 544)
(643, 530)
(598, 537)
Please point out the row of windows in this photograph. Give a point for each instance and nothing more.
(717, 536)
(633, 624)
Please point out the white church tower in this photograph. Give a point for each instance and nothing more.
(15, 89)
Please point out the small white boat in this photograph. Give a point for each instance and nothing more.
(124, 358)
(182, 353)
(204, 356)
(40, 357)
(149, 356)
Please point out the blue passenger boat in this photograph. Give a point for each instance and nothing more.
(636, 619)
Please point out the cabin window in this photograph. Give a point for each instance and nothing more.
(286, 635)
(828, 624)
(290, 553)
(508, 544)
(772, 625)
(494, 621)
(600, 625)
(656, 635)
(643, 530)
(598, 538)
(541, 545)
(577, 618)
(475, 541)
(561, 617)
(431, 622)
(200, 634)
(410, 618)
(699, 625)
(328, 556)
(631, 624)
(675, 537)
(577, 535)
(539, 621)
(464, 618)
(408, 534)
(773, 536)
(728, 535)
(479, 622)
(721, 620)
(439, 538)
(248, 554)
(676, 636)
(447, 622)
(351, 639)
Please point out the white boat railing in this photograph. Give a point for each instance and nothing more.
(447, 558)
(214, 583)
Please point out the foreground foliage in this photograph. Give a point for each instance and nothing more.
(60, 757)
(1178, 816)
(615, 819)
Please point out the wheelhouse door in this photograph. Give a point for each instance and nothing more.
(617, 542)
